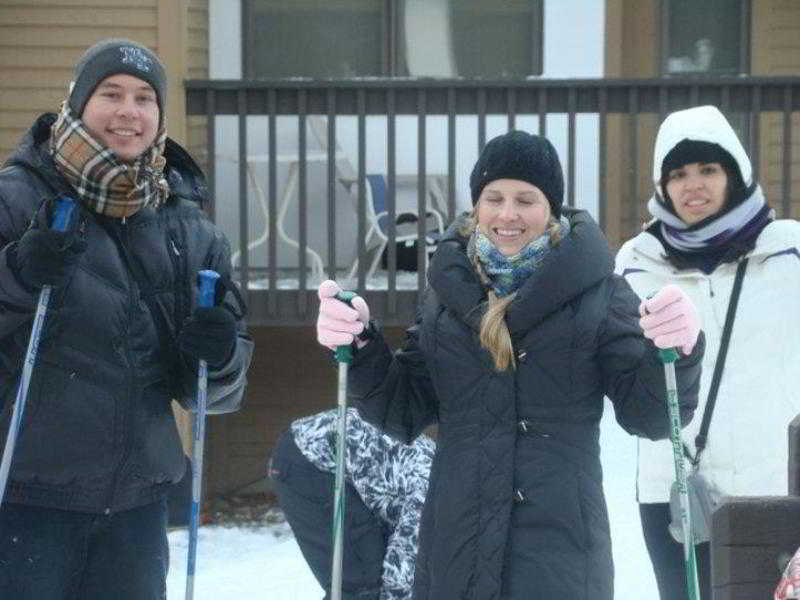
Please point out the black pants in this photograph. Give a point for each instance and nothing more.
(667, 555)
(306, 496)
(48, 554)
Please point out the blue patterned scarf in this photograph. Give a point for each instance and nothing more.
(508, 273)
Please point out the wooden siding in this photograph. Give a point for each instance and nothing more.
(40, 41)
(632, 34)
(632, 50)
(197, 68)
(776, 51)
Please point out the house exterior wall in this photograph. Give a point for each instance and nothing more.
(775, 29)
(633, 50)
(632, 42)
(197, 54)
(41, 40)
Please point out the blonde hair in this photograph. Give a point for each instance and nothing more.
(494, 334)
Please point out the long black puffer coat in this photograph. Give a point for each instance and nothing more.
(98, 432)
(515, 507)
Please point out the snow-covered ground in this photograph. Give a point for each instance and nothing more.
(265, 563)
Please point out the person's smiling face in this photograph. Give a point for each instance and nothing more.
(123, 113)
(512, 213)
(697, 190)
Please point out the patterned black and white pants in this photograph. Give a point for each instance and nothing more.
(305, 494)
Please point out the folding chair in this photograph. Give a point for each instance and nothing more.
(406, 217)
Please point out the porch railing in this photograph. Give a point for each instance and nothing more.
(624, 116)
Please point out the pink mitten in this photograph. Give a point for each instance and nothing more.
(670, 319)
(338, 323)
(789, 585)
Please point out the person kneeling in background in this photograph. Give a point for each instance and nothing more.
(386, 484)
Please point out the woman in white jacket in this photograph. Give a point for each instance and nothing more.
(709, 215)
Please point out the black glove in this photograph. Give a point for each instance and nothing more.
(209, 335)
(46, 257)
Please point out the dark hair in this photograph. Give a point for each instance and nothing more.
(687, 152)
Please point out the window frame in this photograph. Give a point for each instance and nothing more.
(391, 28)
(744, 38)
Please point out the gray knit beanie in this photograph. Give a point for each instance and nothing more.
(520, 155)
(110, 57)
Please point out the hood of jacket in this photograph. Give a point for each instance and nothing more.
(579, 261)
(699, 124)
(185, 178)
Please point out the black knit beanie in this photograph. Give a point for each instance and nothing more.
(520, 155)
(110, 57)
(688, 151)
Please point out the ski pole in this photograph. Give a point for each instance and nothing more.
(61, 221)
(668, 357)
(344, 356)
(206, 289)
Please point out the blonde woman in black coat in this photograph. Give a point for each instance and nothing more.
(523, 330)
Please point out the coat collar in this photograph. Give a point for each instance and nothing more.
(776, 237)
(454, 279)
(578, 262)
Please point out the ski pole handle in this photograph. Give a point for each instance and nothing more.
(65, 208)
(344, 354)
(206, 287)
(667, 355)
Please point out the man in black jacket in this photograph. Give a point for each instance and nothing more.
(84, 514)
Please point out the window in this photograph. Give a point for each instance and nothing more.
(362, 38)
(490, 40)
(311, 38)
(709, 37)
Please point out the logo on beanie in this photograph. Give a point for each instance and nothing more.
(136, 57)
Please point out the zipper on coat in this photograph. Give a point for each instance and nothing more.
(133, 304)
(182, 301)
(527, 427)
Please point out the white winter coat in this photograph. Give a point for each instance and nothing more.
(746, 451)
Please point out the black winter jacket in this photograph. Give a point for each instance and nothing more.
(515, 507)
(98, 432)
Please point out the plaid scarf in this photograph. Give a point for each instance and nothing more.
(105, 183)
(508, 273)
